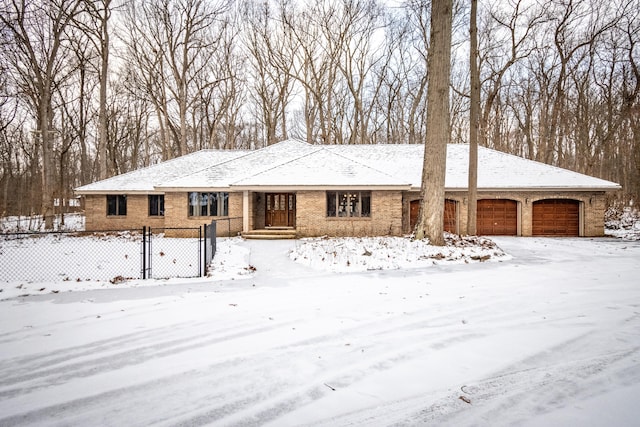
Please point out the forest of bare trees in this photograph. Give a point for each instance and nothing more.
(94, 88)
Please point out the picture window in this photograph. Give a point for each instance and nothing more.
(349, 204)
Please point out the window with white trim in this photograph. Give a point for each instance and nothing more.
(209, 204)
(348, 204)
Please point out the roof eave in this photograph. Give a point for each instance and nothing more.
(192, 189)
(99, 192)
(534, 189)
(263, 188)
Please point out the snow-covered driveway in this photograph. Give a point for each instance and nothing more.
(549, 337)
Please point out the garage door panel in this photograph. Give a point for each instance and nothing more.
(450, 215)
(497, 217)
(556, 217)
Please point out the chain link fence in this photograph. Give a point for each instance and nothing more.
(229, 227)
(114, 255)
(37, 223)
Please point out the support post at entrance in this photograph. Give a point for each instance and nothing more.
(245, 211)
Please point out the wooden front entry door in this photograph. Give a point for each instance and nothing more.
(280, 210)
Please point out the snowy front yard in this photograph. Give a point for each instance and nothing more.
(298, 333)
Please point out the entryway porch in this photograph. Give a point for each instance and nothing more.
(271, 233)
(273, 216)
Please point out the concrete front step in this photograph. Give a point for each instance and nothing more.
(271, 233)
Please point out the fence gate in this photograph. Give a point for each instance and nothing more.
(145, 253)
(209, 243)
(164, 257)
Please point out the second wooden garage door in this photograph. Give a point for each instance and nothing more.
(497, 217)
(450, 215)
(556, 217)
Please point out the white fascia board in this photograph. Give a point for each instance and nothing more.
(543, 189)
(276, 188)
(529, 189)
(193, 189)
(110, 192)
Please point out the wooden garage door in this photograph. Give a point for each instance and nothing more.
(556, 217)
(497, 217)
(450, 215)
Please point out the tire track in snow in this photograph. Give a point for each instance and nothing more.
(325, 345)
(529, 392)
(91, 359)
(535, 385)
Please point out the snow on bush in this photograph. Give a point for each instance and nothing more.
(16, 224)
(384, 253)
(624, 224)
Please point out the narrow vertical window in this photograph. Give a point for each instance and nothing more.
(331, 203)
(156, 205)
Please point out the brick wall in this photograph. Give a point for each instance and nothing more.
(312, 220)
(137, 214)
(177, 214)
(592, 208)
(389, 213)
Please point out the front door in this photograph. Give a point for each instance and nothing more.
(280, 210)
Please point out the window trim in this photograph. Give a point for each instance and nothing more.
(119, 204)
(195, 210)
(352, 203)
(159, 201)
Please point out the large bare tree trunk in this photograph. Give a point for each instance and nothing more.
(48, 156)
(104, 77)
(431, 219)
(474, 115)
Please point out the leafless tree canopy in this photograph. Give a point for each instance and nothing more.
(93, 88)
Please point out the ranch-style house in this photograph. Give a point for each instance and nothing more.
(297, 189)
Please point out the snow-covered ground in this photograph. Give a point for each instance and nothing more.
(337, 332)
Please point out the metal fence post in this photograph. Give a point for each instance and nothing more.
(204, 248)
(213, 238)
(200, 263)
(150, 252)
(144, 252)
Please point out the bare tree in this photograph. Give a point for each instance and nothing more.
(38, 31)
(170, 41)
(96, 26)
(474, 114)
(431, 218)
(351, 34)
(314, 67)
(271, 51)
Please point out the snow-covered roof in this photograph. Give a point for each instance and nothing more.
(322, 168)
(222, 175)
(146, 179)
(295, 164)
(496, 170)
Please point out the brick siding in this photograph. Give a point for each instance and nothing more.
(592, 208)
(389, 213)
(137, 216)
(312, 220)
